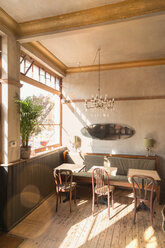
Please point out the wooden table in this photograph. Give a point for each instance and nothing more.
(111, 170)
(73, 167)
(152, 173)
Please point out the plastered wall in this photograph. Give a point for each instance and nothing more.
(147, 117)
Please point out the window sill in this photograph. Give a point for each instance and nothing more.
(36, 156)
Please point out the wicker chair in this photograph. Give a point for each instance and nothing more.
(101, 187)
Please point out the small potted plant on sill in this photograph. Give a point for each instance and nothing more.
(33, 110)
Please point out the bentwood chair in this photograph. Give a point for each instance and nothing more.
(63, 181)
(101, 187)
(143, 190)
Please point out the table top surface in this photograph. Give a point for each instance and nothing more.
(152, 173)
(111, 170)
(72, 167)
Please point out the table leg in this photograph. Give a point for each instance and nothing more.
(67, 197)
(142, 206)
(103, 200)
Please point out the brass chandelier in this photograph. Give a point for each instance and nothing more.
(99, 102)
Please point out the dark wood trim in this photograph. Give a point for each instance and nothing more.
(29, 68)
(139, 98)
(23, 57)
(134, 98)
(122, 155)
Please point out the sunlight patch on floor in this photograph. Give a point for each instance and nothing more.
(82, 202)
(133, 244)
(151, 241)
(90, 227)
(76, 231)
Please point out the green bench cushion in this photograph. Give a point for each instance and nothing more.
(124, 164)
(120, 178)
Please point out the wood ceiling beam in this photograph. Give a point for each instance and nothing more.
(114, 66)
(94, 16)
(8, 22)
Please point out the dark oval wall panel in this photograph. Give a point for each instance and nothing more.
(108, 131)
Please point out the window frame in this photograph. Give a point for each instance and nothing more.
(43, 86)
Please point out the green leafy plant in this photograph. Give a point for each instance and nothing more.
(33, 110)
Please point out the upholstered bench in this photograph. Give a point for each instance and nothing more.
(122, 162)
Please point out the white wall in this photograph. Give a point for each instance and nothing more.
(147, 117)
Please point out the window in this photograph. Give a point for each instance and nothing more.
(50, 135)
(32, 69)
(36, 73)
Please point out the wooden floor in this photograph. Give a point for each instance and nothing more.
(44, 228)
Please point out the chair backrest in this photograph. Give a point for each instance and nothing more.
(63, 177)
(143, 187)
(99, 178)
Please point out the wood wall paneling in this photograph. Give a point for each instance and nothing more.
(24, 182)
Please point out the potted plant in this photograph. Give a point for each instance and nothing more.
(32, 113)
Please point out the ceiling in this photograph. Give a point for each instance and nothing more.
(123, 41)
(132, 39)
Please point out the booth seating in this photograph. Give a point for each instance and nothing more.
(122, 162)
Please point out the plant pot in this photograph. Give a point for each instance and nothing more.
(25, 152)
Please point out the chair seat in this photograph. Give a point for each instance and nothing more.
(144, 197)
(104, 190)
(66, 187)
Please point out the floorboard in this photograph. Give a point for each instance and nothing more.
(46, 228)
